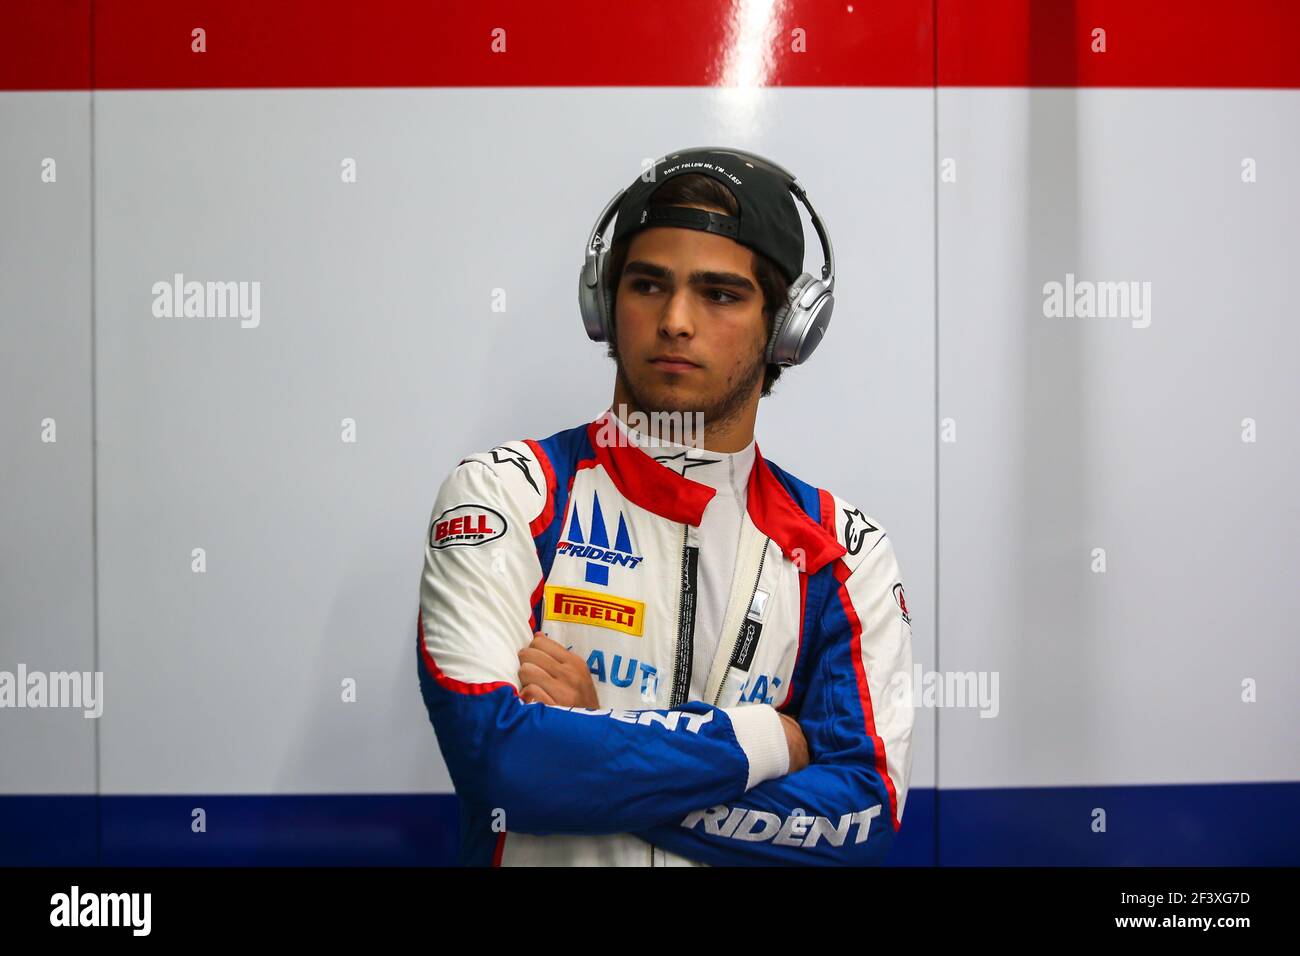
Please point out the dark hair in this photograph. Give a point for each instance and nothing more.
(698, 189)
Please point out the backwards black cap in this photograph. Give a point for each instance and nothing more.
(768, 219)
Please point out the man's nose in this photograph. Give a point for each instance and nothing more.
(678, 317)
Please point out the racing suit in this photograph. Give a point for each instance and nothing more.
(589, 539)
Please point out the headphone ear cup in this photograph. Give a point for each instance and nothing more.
(788, 325)
(778, 325)
(594, 302)
(589, 302)
(819, 320)
(606, 289)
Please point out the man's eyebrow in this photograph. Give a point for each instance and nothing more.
(699, 277)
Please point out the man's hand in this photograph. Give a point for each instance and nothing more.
(553, 675)
(797, 743)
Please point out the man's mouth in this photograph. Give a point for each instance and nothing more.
(673, 364)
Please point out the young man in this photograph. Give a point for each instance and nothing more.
(637, 651)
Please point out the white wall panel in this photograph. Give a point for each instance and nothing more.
(376, 305)
(46, 524)
(1083, 433)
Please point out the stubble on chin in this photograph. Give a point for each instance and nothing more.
(729, 406)
(720, 411)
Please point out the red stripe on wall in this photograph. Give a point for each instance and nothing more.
(1149, 43)
(146, 44)
(45, 45)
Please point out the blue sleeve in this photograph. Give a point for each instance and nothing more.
(569, 770)
(845, 807)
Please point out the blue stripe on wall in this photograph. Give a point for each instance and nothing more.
(1182, 825)
(1230, 824)
(48, 831)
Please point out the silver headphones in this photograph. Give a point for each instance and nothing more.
(800, 322)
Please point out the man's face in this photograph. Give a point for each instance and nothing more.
(692, 295)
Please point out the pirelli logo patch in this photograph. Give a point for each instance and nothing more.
(599, 610)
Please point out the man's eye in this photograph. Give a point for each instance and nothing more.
(729, 297)
(640, 284)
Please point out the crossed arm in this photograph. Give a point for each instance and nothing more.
(552, 674)
(720, 785)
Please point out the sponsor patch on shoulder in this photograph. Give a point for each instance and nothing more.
(902, 602)
(466, 525)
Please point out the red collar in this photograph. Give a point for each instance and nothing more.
(642, 480)
(775, 513)
(647, 483)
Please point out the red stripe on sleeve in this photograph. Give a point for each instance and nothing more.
(450, 683)
(864, 692)
(543, 520)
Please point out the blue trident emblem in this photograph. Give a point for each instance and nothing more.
(598, 571)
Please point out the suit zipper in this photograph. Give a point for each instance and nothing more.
(743, 621)
(685, 623)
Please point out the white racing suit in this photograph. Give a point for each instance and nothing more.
(589, 539)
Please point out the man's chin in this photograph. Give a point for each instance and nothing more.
(661, 398)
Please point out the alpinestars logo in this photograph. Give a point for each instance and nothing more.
(856, 529)
(671, 461)
(503, 455)
(597, 552)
